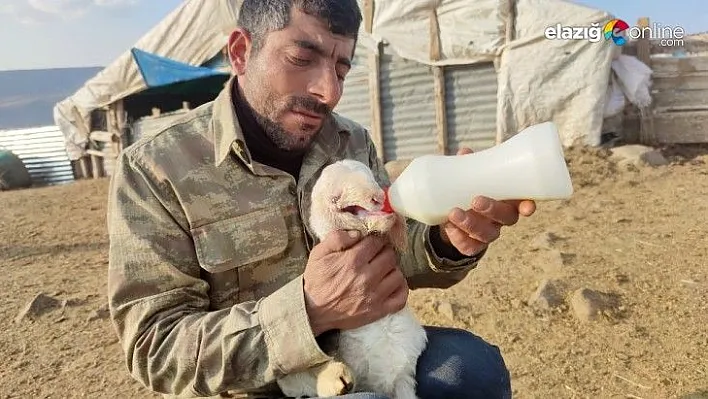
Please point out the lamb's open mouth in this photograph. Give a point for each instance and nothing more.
(360, 211)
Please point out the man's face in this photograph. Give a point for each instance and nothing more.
(295, 80)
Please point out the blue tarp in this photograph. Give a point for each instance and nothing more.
(160, 71)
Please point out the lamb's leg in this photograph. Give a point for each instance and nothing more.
(334, 379)
(300, 384)
(329, 379)
(405, 388)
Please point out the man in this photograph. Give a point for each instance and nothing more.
(215, 284)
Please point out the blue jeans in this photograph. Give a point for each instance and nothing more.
(457, 364)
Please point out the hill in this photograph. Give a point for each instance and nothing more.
(27, 97)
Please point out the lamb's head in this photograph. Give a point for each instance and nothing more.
(347, 197)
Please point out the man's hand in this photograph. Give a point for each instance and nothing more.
(473, 230)
(352, 281)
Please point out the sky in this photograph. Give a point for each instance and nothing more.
(35, 34)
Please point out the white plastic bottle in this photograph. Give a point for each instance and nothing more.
(530, 165)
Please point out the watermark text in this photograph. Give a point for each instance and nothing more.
(619, 32)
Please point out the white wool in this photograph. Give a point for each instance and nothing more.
(380, 357)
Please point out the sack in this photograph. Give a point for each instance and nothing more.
(615, 101)
(635, 79)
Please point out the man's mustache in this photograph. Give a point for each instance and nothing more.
(309, 104)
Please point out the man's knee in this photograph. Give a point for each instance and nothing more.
(459, 364)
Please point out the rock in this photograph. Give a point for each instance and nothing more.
(70, 303)
(101, 313)
(38, 306)
(544, 240)
(547, 296)
(445, 308)
(621, 278)
(589, 304)
(395, 168)
(638, 155)
(553, 260)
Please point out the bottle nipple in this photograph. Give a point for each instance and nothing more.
(386, 203)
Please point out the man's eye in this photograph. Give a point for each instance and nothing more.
(299, 61)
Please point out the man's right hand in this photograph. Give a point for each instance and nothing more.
(352, 281)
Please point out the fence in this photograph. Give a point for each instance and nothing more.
(680, 92)
(679, 110)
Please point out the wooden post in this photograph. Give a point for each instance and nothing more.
(439, 85)
(97, 171)
(509, 36)
(374, 83)
(84, 166)
(120, 125)
(643, 43)
(97, 165)
(646, 119)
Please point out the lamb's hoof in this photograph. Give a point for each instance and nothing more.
(335, 379)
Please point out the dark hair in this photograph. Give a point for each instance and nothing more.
(259, 17)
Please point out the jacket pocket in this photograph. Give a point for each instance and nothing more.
(241, 240)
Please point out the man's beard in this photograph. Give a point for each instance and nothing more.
(277, 133)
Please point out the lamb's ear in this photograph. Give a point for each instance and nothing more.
(398, 234)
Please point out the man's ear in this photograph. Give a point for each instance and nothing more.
(239, 47)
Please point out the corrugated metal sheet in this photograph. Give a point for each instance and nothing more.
(355, 103)
(407, 108)
(43, 152)
(471, 102)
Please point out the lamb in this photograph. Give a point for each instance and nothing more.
(380, 357)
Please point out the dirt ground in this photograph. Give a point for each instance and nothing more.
(635, 236)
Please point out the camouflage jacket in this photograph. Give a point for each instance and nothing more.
(207, 248)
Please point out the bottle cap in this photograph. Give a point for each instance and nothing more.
(386, 204)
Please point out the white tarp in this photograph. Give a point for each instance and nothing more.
(469, 31)
(560, 80)
(539, 79)
(193, 33)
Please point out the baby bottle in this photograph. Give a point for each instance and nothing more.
(530, 165)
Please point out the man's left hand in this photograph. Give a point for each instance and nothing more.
(473, 230)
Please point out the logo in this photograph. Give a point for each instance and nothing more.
(619, 32)
(612, 30)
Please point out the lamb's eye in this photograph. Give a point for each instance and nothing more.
(335, 199)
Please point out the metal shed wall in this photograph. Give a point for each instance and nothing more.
(407, 108)
(43, 152)
(355, 103)
(471, 102)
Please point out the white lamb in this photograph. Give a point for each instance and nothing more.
(380, 357)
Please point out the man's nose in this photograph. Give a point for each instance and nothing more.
(326, 86)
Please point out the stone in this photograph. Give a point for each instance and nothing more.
(101, 313)
(547, 296)
(544, 240)
(589, 305)
(638, 155)
(553, 261)
(39, 305)
(445, 309)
